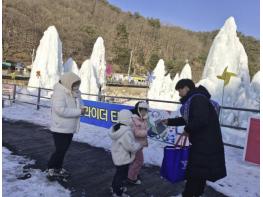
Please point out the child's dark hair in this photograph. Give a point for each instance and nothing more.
(117, 126)
(185, 82)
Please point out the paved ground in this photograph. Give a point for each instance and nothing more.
(92, 168)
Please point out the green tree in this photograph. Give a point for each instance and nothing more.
(154, 22)
(140, 57)
(252, 48)
(171, 66)
(120, 47)
(90, 34)
(137, 15)
(153, 61)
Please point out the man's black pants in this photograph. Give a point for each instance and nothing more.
(194, 187)
(62, 143)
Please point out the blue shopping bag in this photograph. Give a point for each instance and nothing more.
(175, 162)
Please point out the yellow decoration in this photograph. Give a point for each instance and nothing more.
(226, 76)
(13, 75)
(38, 74)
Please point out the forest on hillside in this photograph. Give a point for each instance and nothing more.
(80, 22)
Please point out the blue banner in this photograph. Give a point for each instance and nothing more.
(106, 114)
(101, 114)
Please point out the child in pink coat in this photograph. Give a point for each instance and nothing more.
(139, 128)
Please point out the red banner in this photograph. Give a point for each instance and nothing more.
(252, 146)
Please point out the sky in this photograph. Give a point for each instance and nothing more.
(198, 15)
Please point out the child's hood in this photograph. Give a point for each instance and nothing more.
(116, 134)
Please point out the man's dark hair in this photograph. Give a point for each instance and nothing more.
(185, 82)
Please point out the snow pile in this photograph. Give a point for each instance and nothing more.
(252, 99)
(98, 62)
(160, 88)
(163, 87)
(186, 72)
(227, 51)
(158, 78)
(254, 91)
(175, 95)
(48, 61)
(71, 66)
(48, 67)
(88, 81)
(92, 72)
(37, 185)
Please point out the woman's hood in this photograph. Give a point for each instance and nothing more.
(68, 79)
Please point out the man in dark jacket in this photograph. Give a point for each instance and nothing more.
(206, 157)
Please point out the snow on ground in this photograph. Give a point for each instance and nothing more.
(242, 179)
(36, 186)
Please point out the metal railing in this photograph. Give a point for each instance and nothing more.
(127, 85)
(103, 98)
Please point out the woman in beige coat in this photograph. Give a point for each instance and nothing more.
(66, 111)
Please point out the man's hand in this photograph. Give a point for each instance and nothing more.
(165, 121)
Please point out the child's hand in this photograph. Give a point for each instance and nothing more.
(185, 134)
(83, 111)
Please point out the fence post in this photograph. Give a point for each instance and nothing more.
(219, 114)
(147, 101)
(14, 93)
(38, 98)
(99, 96)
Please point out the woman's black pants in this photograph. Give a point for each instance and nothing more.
(62, 142)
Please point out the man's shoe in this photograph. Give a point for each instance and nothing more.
(179, 195)
(122, 195)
